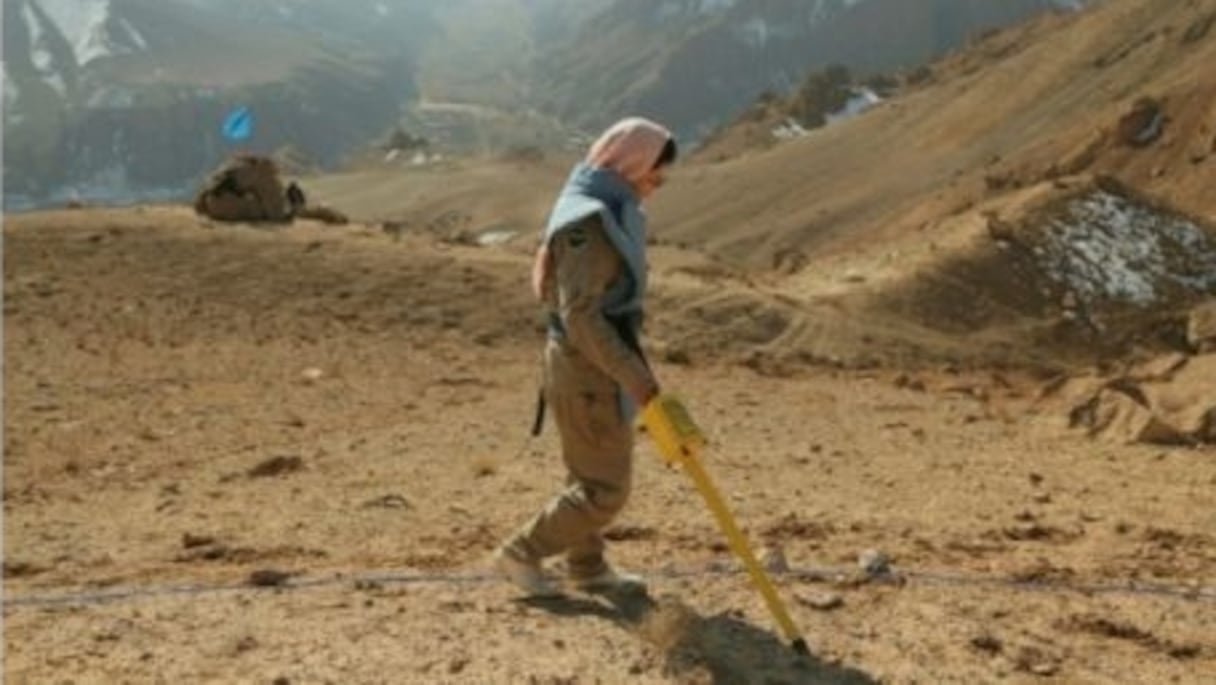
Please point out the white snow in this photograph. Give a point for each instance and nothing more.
(101, 43)
(42, 58)
(86, 26)
(134, 36)
(862, 100)
(789, 129)
(41, 55)
(79, 21)
(1108, 247)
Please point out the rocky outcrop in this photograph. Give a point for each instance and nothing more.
(1201, 327)
(697, 65)
(247, 188)
(1170, 401)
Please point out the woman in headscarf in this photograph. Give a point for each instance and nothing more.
(590, 274)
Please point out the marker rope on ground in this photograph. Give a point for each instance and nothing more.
(949, 578)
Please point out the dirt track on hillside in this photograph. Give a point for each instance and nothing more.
(188, 405)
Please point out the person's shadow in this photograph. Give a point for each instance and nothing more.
(722, 648)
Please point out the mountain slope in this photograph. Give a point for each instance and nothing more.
(1047, 192)
(695, 64)
(117, 99)
(1015, 105)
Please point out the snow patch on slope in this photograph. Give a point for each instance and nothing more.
(1107, 247)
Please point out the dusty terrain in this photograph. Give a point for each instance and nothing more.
(245, 455)
(283, 455)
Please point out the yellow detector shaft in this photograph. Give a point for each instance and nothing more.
(680, 442)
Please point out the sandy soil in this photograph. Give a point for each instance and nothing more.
(239, 455)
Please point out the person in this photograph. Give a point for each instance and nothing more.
(590, 275)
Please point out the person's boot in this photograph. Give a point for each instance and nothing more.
(610, 580)
(526, 575)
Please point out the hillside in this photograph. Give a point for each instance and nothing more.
(954, 357)
(697, 64)
(935, 218)
(112, 100)
(921, 193)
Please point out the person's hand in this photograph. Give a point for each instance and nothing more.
(644, 395)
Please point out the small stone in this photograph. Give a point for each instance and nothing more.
(191, 541)
(312, 374)
(457, 665)
(1201, 328)
(1046, 668)
(276, 466)
(874, 563)
(773, 560)
(822, 601)
(987, 643)
(269, 578)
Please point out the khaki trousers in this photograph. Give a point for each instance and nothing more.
(597, 448)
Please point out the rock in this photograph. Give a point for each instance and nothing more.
(246, 188)
(822, 601)
(191, 541)
(1116, 416)
(276, 466)
(1188, 401)
(773, 560)
(312, 374)
(987, 643)
(269, 578)
(387, 502)
(1036, 661)
(1159, 369)
(1201, 328)
(874, 563)
(457, 665)
(1143, 125)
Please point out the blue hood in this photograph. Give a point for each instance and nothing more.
(605, 193)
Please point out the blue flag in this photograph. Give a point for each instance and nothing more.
(238, 125)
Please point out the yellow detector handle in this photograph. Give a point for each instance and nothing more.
(672, 428)
(680, 441)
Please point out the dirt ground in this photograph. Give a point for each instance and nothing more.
(239, 455)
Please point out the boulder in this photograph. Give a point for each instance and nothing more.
(1143, 124)
(246, 188)
(1167, 409)
(1201, 328)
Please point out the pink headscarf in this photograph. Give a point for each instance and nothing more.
(629, 147)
